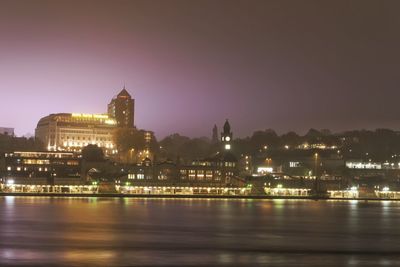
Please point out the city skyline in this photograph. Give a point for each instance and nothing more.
(199, 133)
(262, 65)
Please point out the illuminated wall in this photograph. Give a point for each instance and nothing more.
(72, 132)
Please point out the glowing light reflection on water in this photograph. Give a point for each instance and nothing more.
(197, 232)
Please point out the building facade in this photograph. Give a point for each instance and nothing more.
(122, 109)
(26, 167)
(226, 136)
(218, 172)
(220, 169)
(72, 132)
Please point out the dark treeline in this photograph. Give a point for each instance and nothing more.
(186, 149)
(379, 145)
(10, 143)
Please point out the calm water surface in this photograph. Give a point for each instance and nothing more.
(197, 232)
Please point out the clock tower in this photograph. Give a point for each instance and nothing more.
(226, 136)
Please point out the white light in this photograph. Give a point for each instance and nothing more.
(353, 188)
(227, 146)
(262, 170)
(385, 189)
(10, 181)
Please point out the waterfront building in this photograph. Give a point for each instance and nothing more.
(25, 167)
(122, 109)
(359, 164)
(75, 131)
(168, 173)
(72, 132)
(220, 169)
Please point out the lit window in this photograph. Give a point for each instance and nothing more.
(294, 164)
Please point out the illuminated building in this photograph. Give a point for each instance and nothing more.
(245, 165)
(212, 172)
(40, 167)
(122, 109)
(220, 169)
(363, 165)
(72, 132)
(226, 136)
(146, 153)
(320, 146)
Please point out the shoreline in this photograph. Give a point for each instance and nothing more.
(117, 195)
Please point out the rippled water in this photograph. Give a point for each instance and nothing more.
(197, 232)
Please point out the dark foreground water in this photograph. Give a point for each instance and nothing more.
(197, 232)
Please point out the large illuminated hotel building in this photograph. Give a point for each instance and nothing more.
(73, 131)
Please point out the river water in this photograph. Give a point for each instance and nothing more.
(197, 232)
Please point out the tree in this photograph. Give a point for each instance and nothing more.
(260, 139)
(127, 139)
(92, 153)
(187, 149)
(291, 138)
(12, 143)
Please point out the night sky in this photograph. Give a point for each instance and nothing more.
(286, 65)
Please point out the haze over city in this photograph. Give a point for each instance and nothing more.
(286, 65)
(199, 133)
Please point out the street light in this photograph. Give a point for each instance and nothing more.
(316, 164)
(316, 174)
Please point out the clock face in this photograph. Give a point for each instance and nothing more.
(227, 138)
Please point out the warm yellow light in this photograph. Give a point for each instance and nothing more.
(89, 116)
(111, 122)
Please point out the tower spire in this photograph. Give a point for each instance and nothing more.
(226, 135)
(214, 137)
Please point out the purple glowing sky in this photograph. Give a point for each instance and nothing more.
(189, 64)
